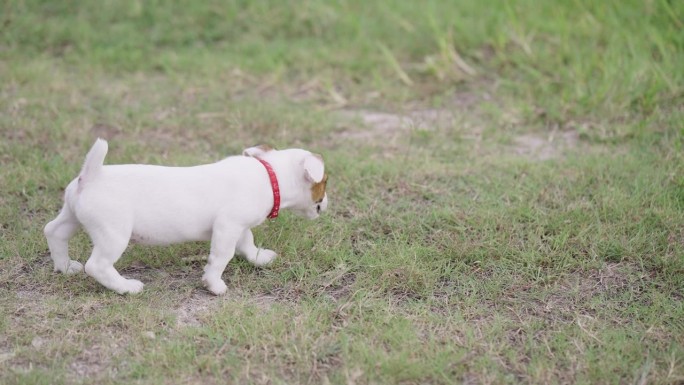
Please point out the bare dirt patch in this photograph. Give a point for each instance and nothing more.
(191, 310)
(95, 360)
(391, 126)
(388, 129)
(611, 280)
(340, 286)
(538, 147)
(570, 297)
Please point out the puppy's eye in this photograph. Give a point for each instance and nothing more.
(318, 208)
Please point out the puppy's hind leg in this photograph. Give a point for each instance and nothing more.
(58, 233)
(254, 255)
(108, 247)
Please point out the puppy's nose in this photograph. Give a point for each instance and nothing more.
(318, 209)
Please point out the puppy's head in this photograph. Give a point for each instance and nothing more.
(306, 177)
(316, 180)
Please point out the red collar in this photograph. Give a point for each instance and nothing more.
(276, 190)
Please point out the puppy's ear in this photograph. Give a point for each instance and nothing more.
(257, 151)
(314, 169)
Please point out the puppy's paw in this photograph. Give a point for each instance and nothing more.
(217, 288)
(131, 286)
(264, 257)
(72, 267)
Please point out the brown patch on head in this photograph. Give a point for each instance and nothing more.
(265, 147)
(318, 189)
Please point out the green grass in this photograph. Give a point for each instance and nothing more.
(527, 225)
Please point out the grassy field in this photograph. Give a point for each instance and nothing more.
(506, 190)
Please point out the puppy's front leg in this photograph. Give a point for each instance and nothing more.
(224, 238)
(255, 256)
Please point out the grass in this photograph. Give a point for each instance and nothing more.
(507, 190)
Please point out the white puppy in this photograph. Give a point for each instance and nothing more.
(158, 205)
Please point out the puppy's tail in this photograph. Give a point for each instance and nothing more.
(93, 161)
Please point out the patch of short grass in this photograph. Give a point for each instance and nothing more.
(506, 190)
